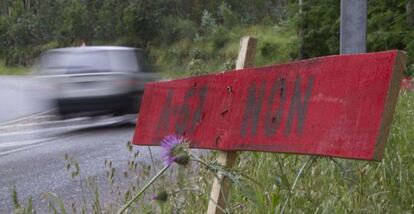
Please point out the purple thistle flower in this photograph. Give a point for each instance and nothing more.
(175, 150)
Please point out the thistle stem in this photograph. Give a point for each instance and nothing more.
(200, 161)
(129, 203)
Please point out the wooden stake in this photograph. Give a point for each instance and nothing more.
(246, 53)
(221, 185)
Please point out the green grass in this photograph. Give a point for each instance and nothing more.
(217, 51)
(14, 70)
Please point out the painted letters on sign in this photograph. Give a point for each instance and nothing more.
(338, 106)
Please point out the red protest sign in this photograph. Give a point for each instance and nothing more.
(339, 106)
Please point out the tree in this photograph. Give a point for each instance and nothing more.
(75, 24)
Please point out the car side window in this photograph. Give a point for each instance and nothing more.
(124, 61)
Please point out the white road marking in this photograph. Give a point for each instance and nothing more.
(26, 131)
(52, 130)
(23, 148)
(42, 123)
(24, 143)
(26, 118)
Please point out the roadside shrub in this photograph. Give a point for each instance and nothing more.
(176, 52)
(227, 17)
(131, 41)
(219, 37)
(174, 28)
(269, 49)
(208, 22)
(197, 53)
(26, 55)
(196, 67)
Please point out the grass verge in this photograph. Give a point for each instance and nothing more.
(15, 70)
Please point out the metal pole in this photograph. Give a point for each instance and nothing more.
(353, 35)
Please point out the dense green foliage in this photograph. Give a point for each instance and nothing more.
(28, 27)
(193, 35)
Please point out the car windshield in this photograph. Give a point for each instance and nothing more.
(81, 61)
(124, 61)
(76, 62)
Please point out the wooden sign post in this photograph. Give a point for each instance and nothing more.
(220, 189)
(336, 106)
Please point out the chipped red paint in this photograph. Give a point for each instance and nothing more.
(330, 106)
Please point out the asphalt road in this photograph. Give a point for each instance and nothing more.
(33, 144)
(21, 96)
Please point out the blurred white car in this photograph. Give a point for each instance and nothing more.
(96, 80)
